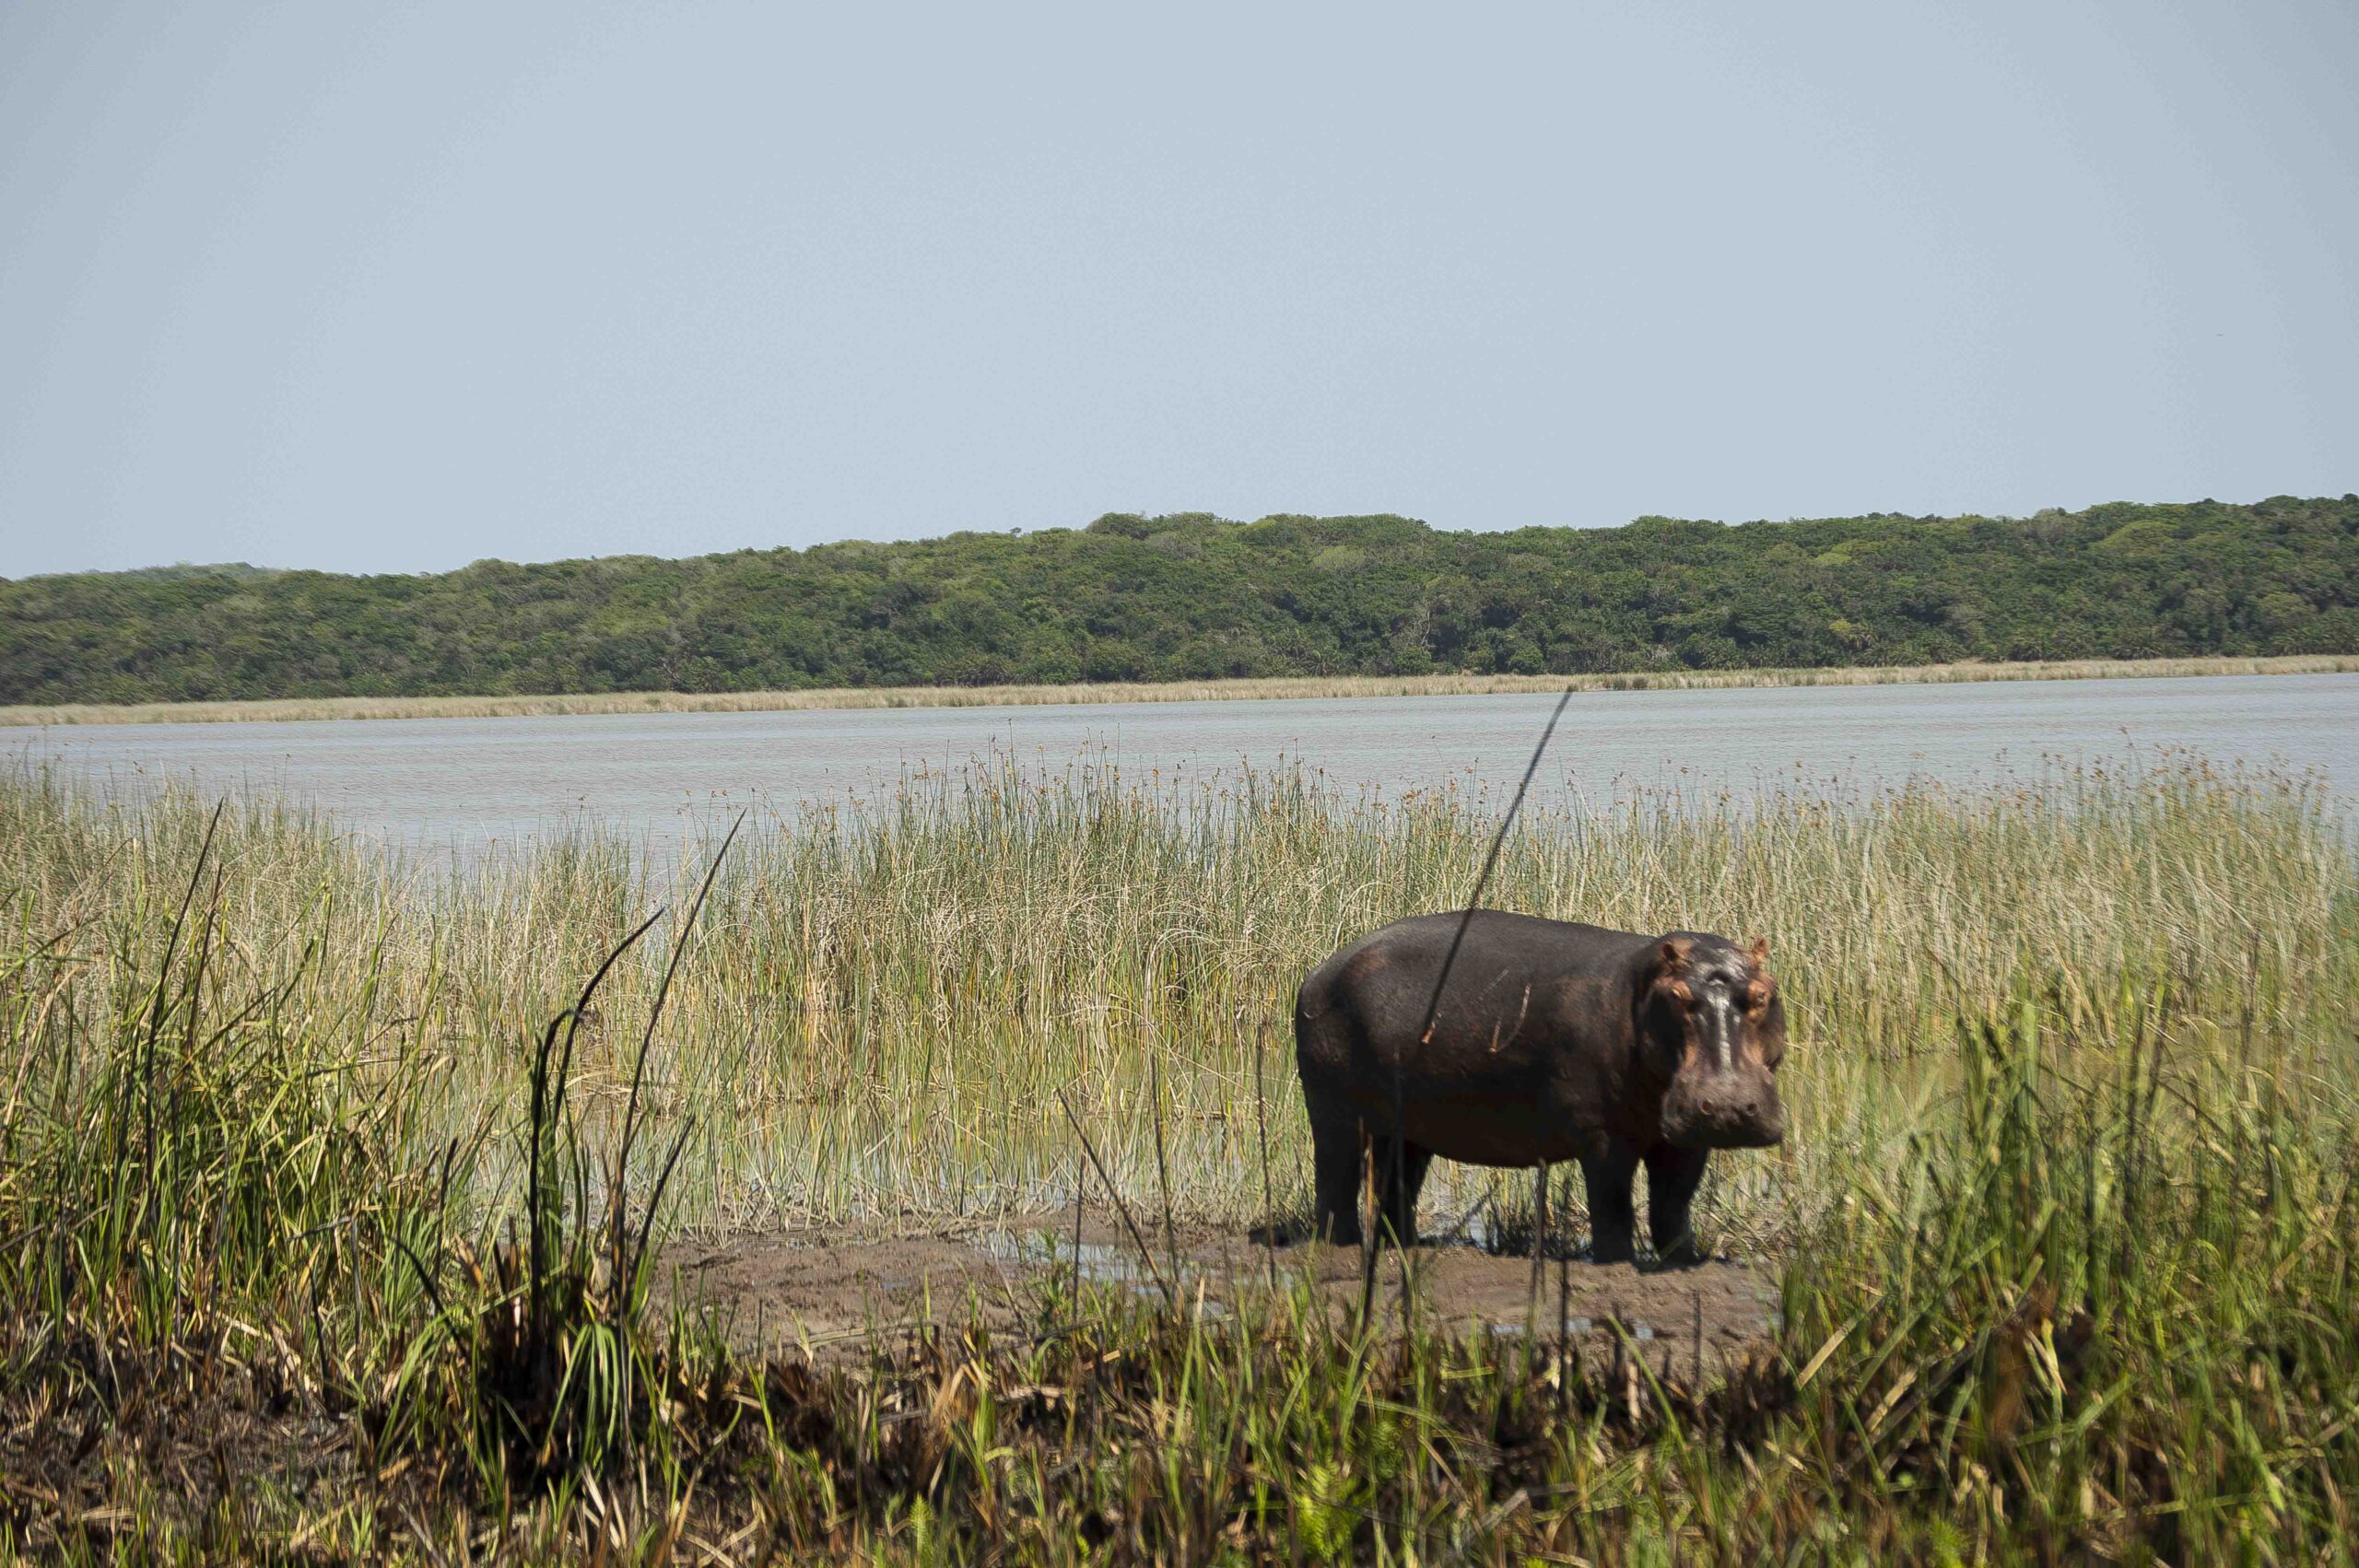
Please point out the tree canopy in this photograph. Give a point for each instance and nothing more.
(1191, 596)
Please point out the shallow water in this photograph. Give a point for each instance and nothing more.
(457, 787)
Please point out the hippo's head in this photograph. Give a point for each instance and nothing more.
(1711, 1022)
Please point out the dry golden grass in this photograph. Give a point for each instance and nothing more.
(1123, 690)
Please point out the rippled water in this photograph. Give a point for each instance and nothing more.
(455, 785)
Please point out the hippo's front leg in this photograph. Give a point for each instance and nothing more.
(1612, 1221)
(1672, 1176)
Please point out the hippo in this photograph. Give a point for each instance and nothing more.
(1554, 1041)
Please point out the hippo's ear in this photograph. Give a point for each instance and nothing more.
(1670, 957)
(1763, 985)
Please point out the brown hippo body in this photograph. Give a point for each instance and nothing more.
(1555, 1042)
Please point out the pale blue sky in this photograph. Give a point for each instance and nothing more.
(379, 287)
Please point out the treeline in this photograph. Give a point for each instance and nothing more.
(1192, 596)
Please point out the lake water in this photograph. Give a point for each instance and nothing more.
(454, 787)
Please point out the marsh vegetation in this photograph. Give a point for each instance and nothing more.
(1266, 689)
(317, 1236)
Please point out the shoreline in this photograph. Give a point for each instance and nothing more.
(1261, 689)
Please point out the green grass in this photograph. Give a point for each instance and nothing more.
(2066, 1222)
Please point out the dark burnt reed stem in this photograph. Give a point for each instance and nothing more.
(1162, 1165)
(1621, 1347)
(1563, 1321)
(2150, 1027)
(200, 952)
(655, 1199)
(545, 1109)
(1490, 864)
(1539, 1262)
(663, 994)
(2238, 1119)
(144, 1061)
(1433, 1004)
(2162, 1007)
(1261, 1125)
(1080, 1190)
(198, 955)
(626, 1254)
(1146, 1253)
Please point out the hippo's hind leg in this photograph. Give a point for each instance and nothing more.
(1672, 1176)
(1335, 1171)
(1613, 1220)
(1399, 1185)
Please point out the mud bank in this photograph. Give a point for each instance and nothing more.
(835, 1292)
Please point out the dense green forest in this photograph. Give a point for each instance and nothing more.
(1192, 596)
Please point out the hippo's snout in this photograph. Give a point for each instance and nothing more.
(1732, 1111)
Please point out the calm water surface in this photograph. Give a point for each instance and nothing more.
(454, 787)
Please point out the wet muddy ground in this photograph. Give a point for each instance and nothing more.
(834, 1291)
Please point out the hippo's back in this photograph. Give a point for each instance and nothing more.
(1532, 1039)
(1366, 1003)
